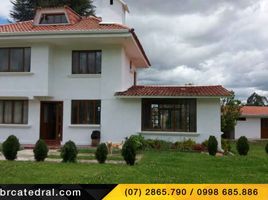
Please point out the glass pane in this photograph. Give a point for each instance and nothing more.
(98, 112)
(3, 60)
(18, 105)
(91, 62)
(98, 62)
(25, 112)
(75, 68)
(16, 60)
(83, 63)
(1, 112)
(8, 112)
(91, 110)
(82, 112)
(74, 112)
(27, 59)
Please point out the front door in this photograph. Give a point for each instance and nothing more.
(51, 122)
(264, 128)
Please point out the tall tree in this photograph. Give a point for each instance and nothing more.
(24, 10)
(257, 100)
(230, 112)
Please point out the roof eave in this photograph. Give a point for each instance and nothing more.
(170, 97)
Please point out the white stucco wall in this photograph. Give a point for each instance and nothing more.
(110, 13)
(251, 128)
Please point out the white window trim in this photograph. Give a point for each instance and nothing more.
(84, 76)
(16, 73)
(84, 126)
(15, 126)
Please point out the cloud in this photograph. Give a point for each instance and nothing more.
(205, 42)
(5, 8)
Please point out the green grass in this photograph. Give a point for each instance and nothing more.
(155, 167)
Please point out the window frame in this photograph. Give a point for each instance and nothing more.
(76, 115)
(24, 68)
(78, 69)
(54, 19)
(190, 114)
(25, 106)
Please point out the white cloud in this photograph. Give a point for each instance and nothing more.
(5, 8)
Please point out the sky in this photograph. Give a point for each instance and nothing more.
(204, 42)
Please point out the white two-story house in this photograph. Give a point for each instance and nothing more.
(63, 76)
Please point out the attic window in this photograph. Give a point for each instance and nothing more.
(53, 19)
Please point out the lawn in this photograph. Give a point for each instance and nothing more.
(154, 167)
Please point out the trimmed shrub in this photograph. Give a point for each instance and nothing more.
(212, 145)
(101, 153)
(11, 147)
(129, 152)
(242, 146)
(40, 150)
(266, 148)
(69, 152)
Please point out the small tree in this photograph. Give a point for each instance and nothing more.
(40, 150)
(266, 148)
(69, 152)
(242, 146)
(212, 145)
(101, 153)
(129, 152)
(11, 146)
(230, 112)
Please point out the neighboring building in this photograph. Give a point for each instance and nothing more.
(63, 76)
(253, 123)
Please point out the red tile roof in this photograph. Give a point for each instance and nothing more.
(188, 91)
(254, 111)
(85, 24)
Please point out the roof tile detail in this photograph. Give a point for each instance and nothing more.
(254, 111)
(188, 91)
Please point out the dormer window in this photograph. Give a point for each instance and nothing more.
(59, 18)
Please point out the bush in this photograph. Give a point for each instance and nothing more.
(242, 146)
(138, 141)
(205, 143)
(11, 147)
(199, 147)
(212, 145)
(95, 135)
(226, 146)
(101, 153)
(69, 152)
(129, 152)
(266, 148)
(186, 145)
(40, 150)
(157, 144)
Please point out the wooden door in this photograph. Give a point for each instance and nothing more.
(264, 128)
(51, 122)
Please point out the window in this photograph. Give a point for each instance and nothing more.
(13, 112)
(86, 62)
(169, 115)
(53, 19)
(86, 111)
(15, 59)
